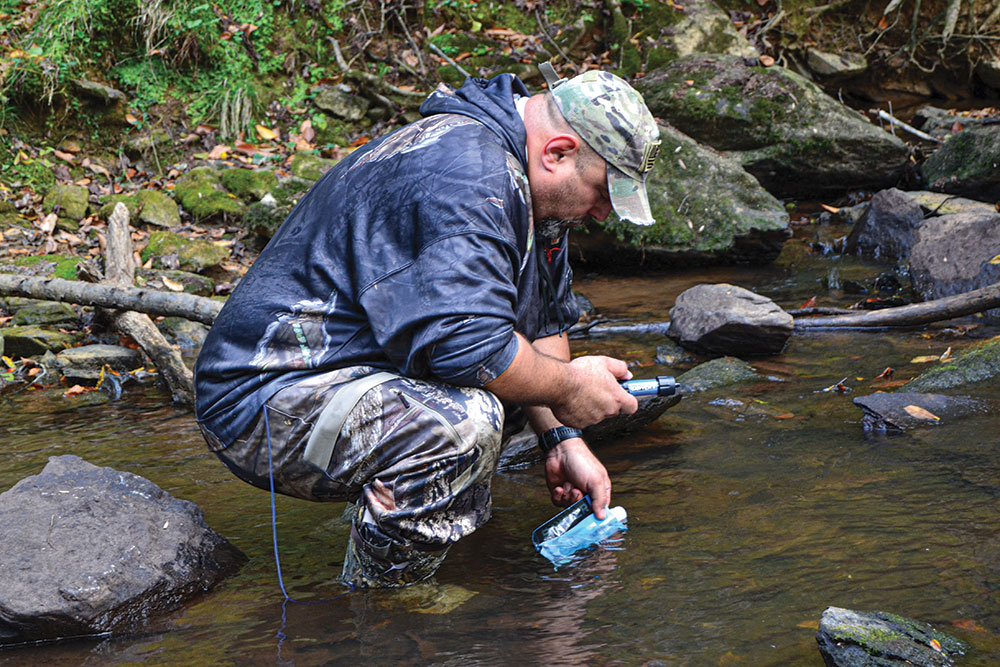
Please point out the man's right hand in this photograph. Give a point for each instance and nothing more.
(594, 393)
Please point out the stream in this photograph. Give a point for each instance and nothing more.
(751, 509)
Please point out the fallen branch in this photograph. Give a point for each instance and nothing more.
(909, 128)
(912, 315)
(120, 271)
(150, 301)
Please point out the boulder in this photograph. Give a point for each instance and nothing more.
(85, 362)
(44, 312)
(942, 123)
(168, 280)
(794, 138)
(106, 95)
(70, 201)
(200, 191)
(979, 363)
(309, 167)
(832, 66)
(898, 412)
(704, 28)
(185, 253)
(671, 354)
(886, 229)
(27, 341)
(182, 332)
(850, 638)
(707, 209)
(967, 164)
(956, 253)
(726, 319)
(939, 203)
(91, 550)
(720, 372)
(341, 103)
(249, 184)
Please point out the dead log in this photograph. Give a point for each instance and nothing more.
(120, 271)
(150, 301)
(912, 315)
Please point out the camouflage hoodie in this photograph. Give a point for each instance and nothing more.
(415, 254)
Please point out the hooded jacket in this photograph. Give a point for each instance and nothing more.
(416, 254)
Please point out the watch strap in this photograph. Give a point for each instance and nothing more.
(549, 439)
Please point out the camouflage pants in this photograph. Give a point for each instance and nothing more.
(415, 456)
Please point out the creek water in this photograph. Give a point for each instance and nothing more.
(751, 509)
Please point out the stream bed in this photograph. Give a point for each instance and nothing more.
(751, 509)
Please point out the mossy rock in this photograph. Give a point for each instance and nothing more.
(192, 254)
(72, 201)
(28, 341)
(151, 207)
(706, 207)
(183, 332)
(154, 145)
(192, 282)
(310, 167)
(979, 363)
(794, 138)
(249, 184)
(720, 372)
(44, 312)
(87, 361)
(44, 266)
(265, 217)
(9, 220)
(201, 192)
(968, 163)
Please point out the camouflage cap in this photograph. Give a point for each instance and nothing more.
(611, 116)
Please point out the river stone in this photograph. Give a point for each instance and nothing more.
(28, 341)
(342, 103)
(794, 138)
(192, 283)
(200, 191)
(85, 362)
(716, 373)
(952, 254)
(309, 167)
(71, 201)
(979, 363)
(897, 412)
(671, 354)
(704, 28)
(182, 332)
(191, 254)
(939, 203)
(91, 550)
(522, 448)
(967, 164)
(886, 230)
(835, 65)
(98, 91)
(942, 123)
(850, 638)
(726, 319)
(707, 209)
(44, 312)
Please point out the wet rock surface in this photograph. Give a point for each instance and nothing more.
(980, 363)
(719, 372)
(849, 638)
(887, 228)
(726, 319)
(967, 164)
(898, 412)
(90, 550)
(85, 362)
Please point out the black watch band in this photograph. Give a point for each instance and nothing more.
(549, 439)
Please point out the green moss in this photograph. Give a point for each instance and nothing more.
(979, 363)
(200, 191)
(192, 254)
(56, 266)
(249, 184)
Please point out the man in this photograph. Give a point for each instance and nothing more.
(412, 300)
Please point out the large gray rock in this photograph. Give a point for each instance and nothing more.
(85, 362)
(953, 254)
(940, 203)
(794, 138)
(342, 103)
(886, 230)
(707, 209)
(980, 363)
(850, 638)
(726, 319)
(967, 164)
(894, 413)
(90, 550)
(704, 28)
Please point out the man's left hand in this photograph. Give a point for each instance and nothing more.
(572, 470)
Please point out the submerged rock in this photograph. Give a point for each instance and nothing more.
(720, 372)
(91, 550)
(850, 638)
(794, 138)
(726, 319)
(953, 254)
(887, 228)
(85, 362)
(902, 411)
(707, 209)
(980, 363)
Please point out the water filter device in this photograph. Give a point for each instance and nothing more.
(661, 385)
(576, 528)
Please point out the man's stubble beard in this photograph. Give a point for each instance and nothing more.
(551, 230)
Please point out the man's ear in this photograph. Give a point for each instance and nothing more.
(559, 151)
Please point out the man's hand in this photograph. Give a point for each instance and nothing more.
(572, 470)
(595, 393)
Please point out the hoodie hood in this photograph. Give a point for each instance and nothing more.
(490, 102)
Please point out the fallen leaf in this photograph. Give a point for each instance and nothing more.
(68, 157)
(830, 209)
(946, 355)
(766, 60)
(219, 152)
(925, 359)
(969, 624)
(48, 223)
(810, 303)
(265, 133)
(172, 285)
(785, 415)
(935, 644)
(920, 413)
(886, 374)
(308, 133)
(76, 390)
(995, 260)
(130, 119)
(883, 23)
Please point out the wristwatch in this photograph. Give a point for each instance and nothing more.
(549, 439)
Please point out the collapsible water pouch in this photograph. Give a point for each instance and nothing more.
(575, 528)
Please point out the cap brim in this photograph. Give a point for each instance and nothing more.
(628, 197)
